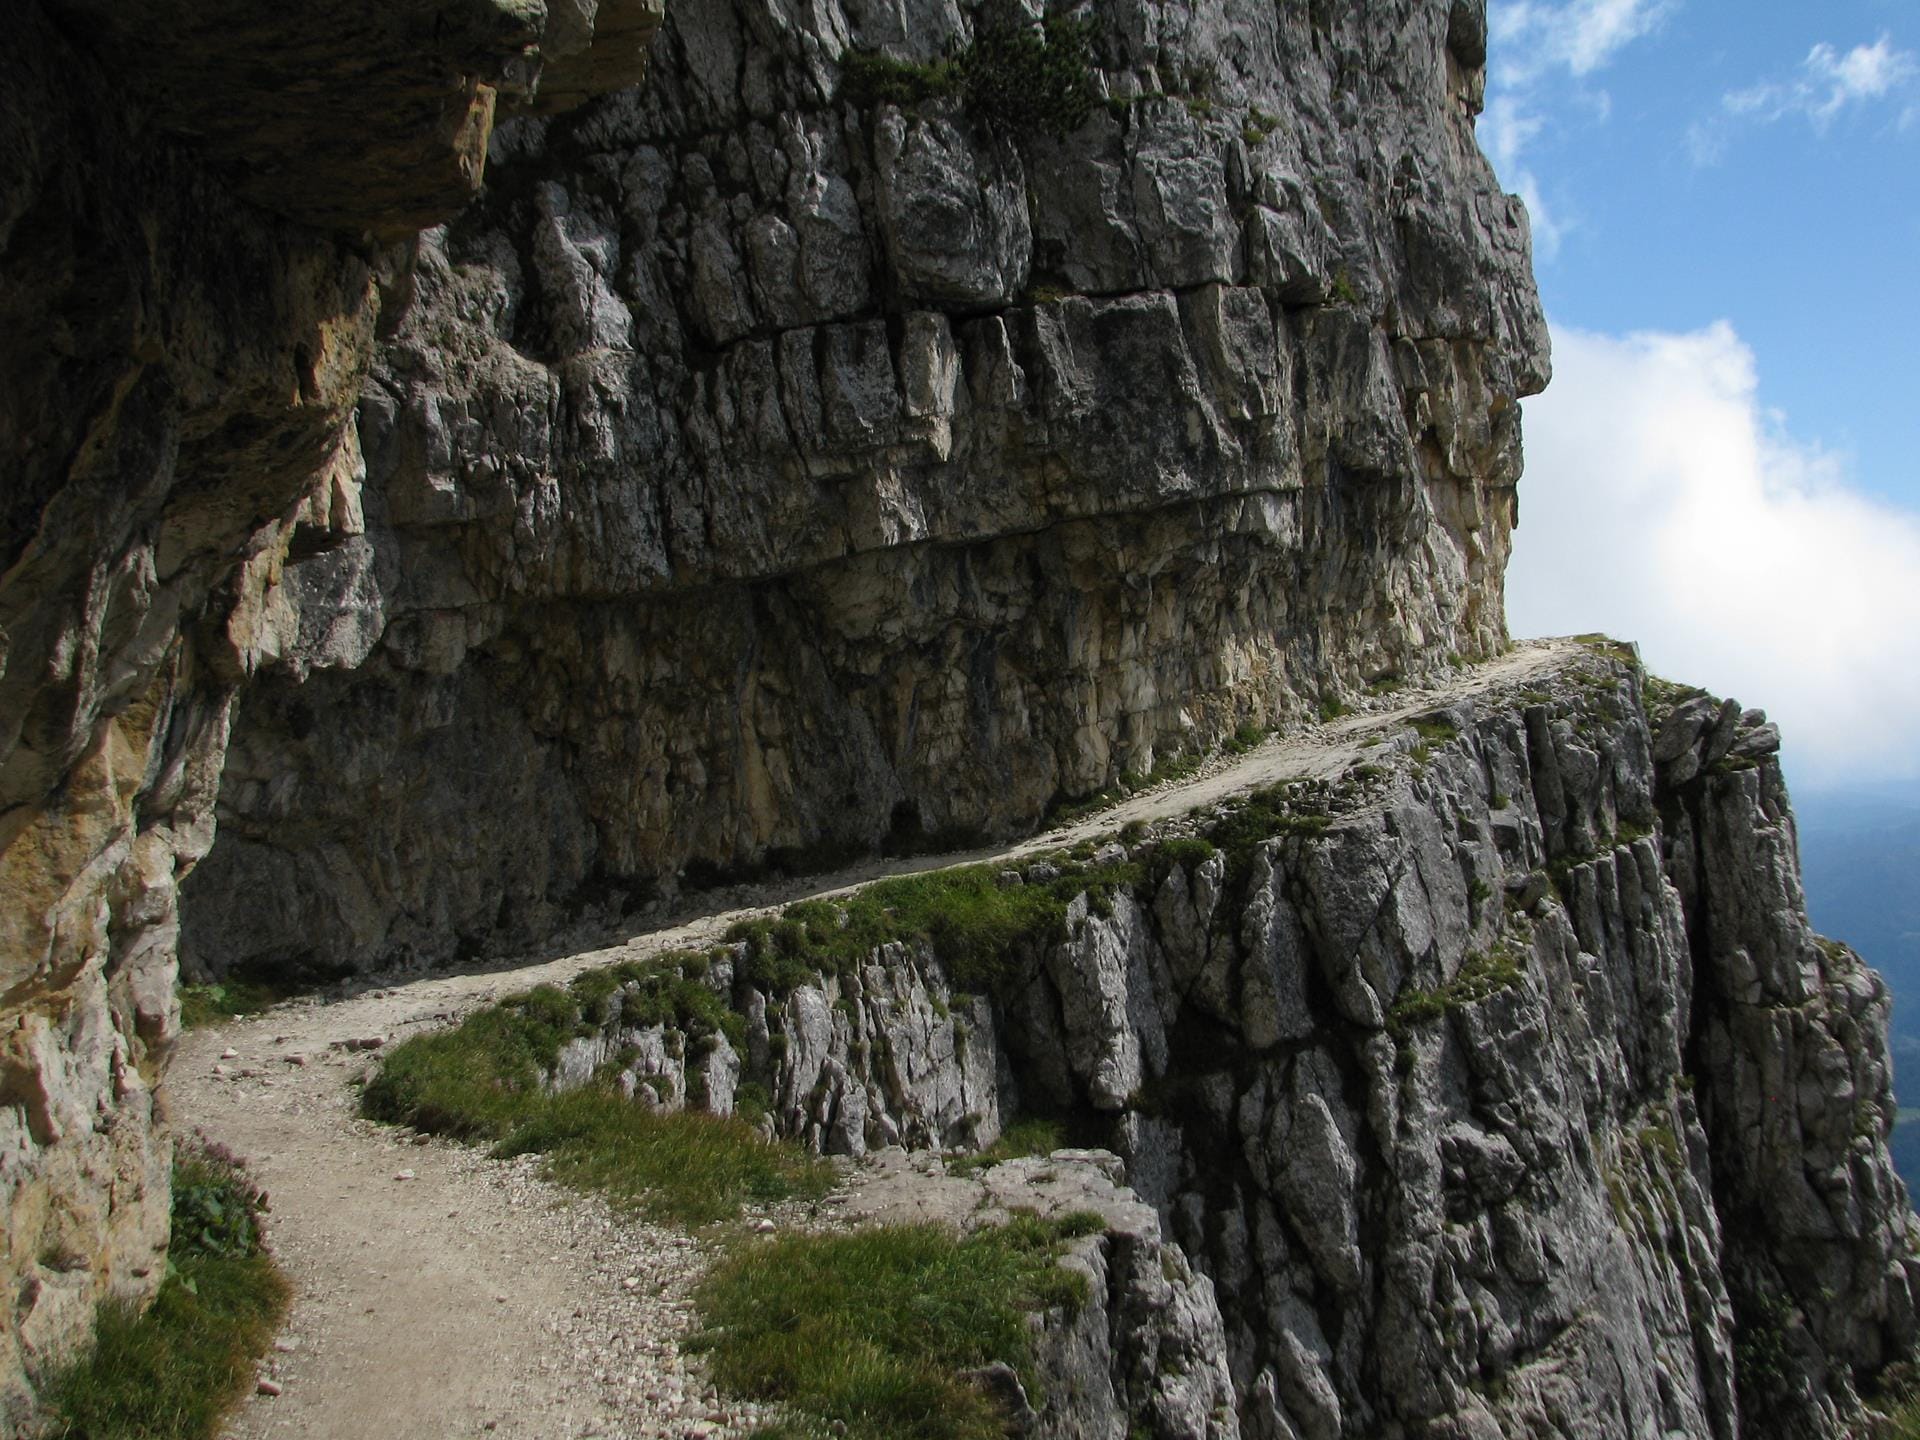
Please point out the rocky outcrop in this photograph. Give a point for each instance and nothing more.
(194, 217)
(1499, 1087)
(768, 470)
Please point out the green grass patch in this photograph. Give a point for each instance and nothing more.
(1170, 768)
(175, 1371)
(226, 999)
(1184, 851)
(1030, 1136)
(1608, 646)
(1247, 737)
(484, 1080)
(1267, 815)
(863, 1334)
(1483, 973)
(977, 926)
(690, 1167)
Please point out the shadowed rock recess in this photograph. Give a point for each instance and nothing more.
(195, 207)
(760, 469)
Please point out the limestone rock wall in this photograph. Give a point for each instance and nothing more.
(1520, 1099)
(182, 346)
(760, 474)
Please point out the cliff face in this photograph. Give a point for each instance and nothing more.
(761, 474)
(1502, 1089)
(184, 347)
(794, 456)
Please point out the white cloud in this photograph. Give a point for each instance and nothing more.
(1506, 127)
(1579, 35)
(1536, 46)
(1828, 82)
(1663, 504)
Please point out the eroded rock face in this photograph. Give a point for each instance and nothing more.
(180, 363)
(1506, 1093)
(759, 472)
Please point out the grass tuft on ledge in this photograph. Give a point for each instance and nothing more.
(976, 925)
(175, 1371)
(865, 1335)
(485, 1080)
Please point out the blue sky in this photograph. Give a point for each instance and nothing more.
(1726, 203)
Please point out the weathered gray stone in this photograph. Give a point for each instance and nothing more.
(1568, 1162)
(932, 472)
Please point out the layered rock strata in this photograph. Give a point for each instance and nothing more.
(768, 471)
(185, 346)
(1503, 1090)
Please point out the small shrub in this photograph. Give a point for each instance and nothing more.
(869, 80)
(1027, 78)
(1014, 76)
(1245, 738)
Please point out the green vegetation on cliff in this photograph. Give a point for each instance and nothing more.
(173, 1372)
(487, 1080)
(977, 918)
(866, 1335)
(1014, 75)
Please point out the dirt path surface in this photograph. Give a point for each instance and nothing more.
(438, 1293)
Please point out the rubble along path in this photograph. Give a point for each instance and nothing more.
(438, 1293)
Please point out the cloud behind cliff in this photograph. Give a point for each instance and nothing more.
(1663, 503)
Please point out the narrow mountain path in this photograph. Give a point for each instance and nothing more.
(439, 1293)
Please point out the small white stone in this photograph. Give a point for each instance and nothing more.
(403, 1174)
